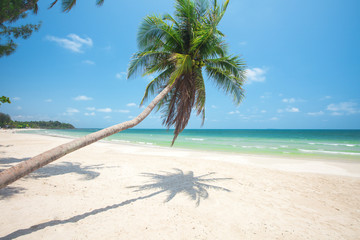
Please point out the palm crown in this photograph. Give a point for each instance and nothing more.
(177, 49)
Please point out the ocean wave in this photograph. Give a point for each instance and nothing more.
(335, 144)
(329, 152)
(117, 140)
(145, 143)
(258, 147)
(247, 146)
(195, 139)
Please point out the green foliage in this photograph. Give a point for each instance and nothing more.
(38, 124)
(4, 119)
(9, 34)
(178, 49)
(11, 11)
(67, 5)
(42, 124)
(4, 99)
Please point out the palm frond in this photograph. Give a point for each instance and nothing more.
(168, 17)
(141, 60)
(156, 84)
(234, 65)
(52, 4)
(183, 65)
(99, 2)
(177, 109)
(67, 5)
(200, 94)
(154, 28)
(229, 83)
(201, 7)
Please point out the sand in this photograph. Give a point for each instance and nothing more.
(118, 191)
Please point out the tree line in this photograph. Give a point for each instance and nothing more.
(6, 122)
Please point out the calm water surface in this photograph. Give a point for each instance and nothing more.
(329, 144)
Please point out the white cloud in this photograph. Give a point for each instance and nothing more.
(82, 98)
(131, 104)
(121, 75)
(263, 111)
(288, 109)
(107, 48)
(242, 43)
(48, 100)
(288, 100)
(266, 95)
(233, 112)
(316, 113)
(107, 117)
(274, 119)
(19, 108)
(22, 118)
(130, 117)
(213, 106)
(325, 98)
(337, 114)
(107, 110)
(292, 100)
(89, 62)
(89, 114)
(122, 111)
(292, 109)
(255, 75)
(73, 42)
(15, 99)
(343, 108)
(72, 110)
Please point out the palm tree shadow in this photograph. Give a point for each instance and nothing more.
(86, 172)
(173, 183)
(179, 182)
(10, 191)
(6, 162)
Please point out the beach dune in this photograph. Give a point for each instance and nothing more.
(123, 191)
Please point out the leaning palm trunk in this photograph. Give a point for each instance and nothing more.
(18, 171)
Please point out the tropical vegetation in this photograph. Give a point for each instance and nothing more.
(13, 10)
(177, 49)
(4, 99)
(6, 122)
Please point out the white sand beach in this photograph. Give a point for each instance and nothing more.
(119, 191)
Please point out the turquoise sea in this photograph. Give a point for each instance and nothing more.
(322, 144)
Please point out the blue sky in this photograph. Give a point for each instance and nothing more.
(302, 56)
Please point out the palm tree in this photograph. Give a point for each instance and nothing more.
(67, 5)
(177, 49)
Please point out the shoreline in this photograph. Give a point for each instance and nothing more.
(302, 154)
(116, 191)
(346, 167)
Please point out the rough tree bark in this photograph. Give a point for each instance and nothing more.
(18, 171)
